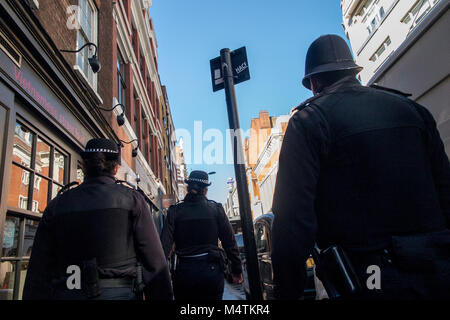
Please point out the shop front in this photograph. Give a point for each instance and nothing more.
(43, 128)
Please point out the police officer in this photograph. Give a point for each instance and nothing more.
(364, 169)
(92, 238)
(194, 226)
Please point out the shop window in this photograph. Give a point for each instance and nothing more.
(87, 33)
(80, 173)
(39, 171)
(59, 165)
(35, 161)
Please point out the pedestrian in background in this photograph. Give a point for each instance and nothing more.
(101, 227)
(195, 225)
(363, 169)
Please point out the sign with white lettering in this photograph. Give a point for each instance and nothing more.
(239, 62)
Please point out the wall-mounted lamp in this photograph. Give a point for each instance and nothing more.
(138, 178)
(134, 145)
(93, 62)
(120, 117)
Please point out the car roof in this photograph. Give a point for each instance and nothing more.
(268, 217)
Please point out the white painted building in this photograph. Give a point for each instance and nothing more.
(266, 167)
(404, 45)
(181, 170)
(376, 28)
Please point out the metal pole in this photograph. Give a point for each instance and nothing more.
(241, 179)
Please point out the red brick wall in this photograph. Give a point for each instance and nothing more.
(56, 26)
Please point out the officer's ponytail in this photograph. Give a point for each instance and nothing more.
(98, 164)
(195, 188)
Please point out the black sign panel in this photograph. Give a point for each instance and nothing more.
(239, 62)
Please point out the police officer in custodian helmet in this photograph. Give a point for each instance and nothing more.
(101, 230)
(364, 175)
(194, 226)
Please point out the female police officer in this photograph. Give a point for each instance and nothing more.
(195, 225)
(100, 228)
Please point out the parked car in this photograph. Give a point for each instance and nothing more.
(263, 231)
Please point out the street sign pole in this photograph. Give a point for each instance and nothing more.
(241, 178)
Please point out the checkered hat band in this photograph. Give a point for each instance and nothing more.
(198, 180)
(101, 150)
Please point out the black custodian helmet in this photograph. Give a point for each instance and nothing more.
(328, 53)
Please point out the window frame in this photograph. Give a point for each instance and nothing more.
(33, 172)
(121, 80)
(25, 216)
(94, 31)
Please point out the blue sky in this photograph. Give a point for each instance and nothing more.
(276, 34)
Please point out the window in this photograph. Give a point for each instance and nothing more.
(380, 50)
(143, 134)
(23, 202)
(135, 116)
(37, 161)
(121, 80)
(262, 245)
(382, 13)
(39, 170)
(134, 36)
(80, 173)
(142, 64)
(87, 33)
(150, 148)
(25, 177)
(418, 11)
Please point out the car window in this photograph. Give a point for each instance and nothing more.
(261, 233)
(239, 240)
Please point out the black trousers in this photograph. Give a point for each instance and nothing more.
(198, 279)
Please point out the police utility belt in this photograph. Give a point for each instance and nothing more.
(91, 284)
(211, 256)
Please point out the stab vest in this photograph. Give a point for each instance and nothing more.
(95, 221)
(376, 178)
(196, 225)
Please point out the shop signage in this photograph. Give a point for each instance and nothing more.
(30, 82)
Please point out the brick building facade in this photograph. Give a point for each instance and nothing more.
(50, 107)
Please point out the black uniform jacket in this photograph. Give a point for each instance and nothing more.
(357, 166)
(137, 238)
(195, 225)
